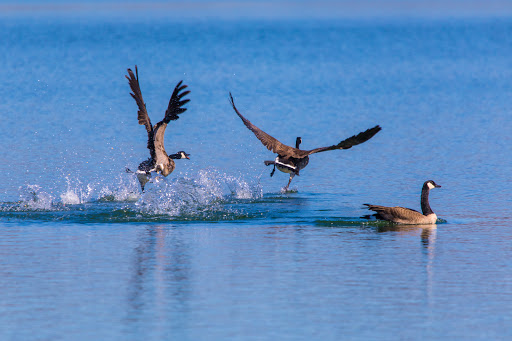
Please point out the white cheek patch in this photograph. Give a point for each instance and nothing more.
(430, 186)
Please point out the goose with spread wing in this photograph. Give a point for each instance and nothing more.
(292, 160)
(402, 215)
(158, 161)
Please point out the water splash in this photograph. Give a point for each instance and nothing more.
(126, 190)
(76, 193)
(241, 189)
(33, 198)
(207, 195)
(203, 195)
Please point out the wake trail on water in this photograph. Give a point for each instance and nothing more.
(206, 195)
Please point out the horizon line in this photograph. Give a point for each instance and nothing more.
(276, 9)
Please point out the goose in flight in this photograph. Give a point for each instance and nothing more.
(404, 215)
(292, 160)
(158, 161)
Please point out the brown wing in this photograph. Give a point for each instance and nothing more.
(175, 103)
(142, 114)
(350, 142)
(395, 213)
(268, 141)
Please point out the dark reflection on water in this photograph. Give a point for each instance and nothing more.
(427, 232)
(187, 281)
(160, 286)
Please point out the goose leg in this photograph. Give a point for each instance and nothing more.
(268, 163)
(289, 181)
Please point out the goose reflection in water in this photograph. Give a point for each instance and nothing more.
(161, 265)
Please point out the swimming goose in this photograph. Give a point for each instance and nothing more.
(404, 215)
(159, 161)
(292, 160)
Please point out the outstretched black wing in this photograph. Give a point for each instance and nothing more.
(350, 142)
(173, 110)
(176, 103)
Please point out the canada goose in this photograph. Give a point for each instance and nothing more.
(292, 160)
(404, 215)
(159, 161)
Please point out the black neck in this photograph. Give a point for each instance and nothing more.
(175, 156)
(425, 206)
(297, 143)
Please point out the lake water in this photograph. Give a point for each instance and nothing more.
(216, 251)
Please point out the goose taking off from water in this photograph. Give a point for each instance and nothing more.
(159, 161)
(404, 215)
(292, 160)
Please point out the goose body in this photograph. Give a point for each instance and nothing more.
(158, 161)
(289, 165)
(402, 215)
(293, 160)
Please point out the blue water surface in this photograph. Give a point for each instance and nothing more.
(216, 250)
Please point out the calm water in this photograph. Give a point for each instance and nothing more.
(216, 251)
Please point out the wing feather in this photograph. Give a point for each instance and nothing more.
(277, 147)
(395, 213)
(142, 114)
(172, 112)
(350, 142)
(176, 103)
(268, 141)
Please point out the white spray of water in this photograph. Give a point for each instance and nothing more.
(76, 193)
(204, 194)
(201, 194)
(33, 198)
(126, 189)
(241, 189)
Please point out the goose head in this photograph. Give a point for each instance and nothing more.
(180, 155)
(430, 184)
